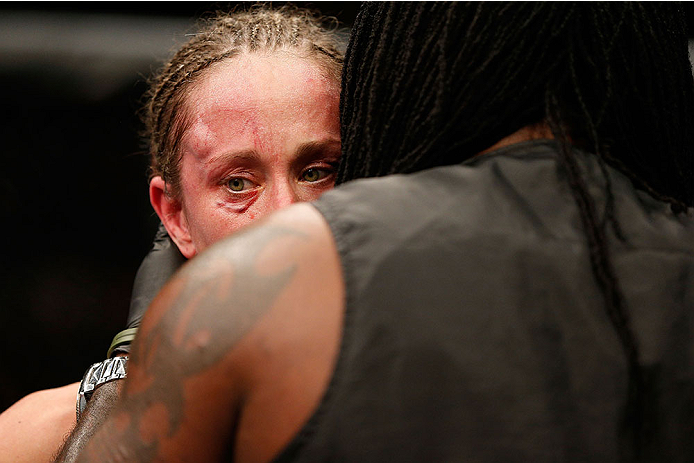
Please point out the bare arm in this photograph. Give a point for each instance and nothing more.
(160, 263)
(186, 380)
(95, 414)
(34, 428)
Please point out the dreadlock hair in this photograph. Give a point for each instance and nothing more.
(224, 36)
(429, 84)
(432, 83)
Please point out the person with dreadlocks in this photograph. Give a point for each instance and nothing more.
(516, 284)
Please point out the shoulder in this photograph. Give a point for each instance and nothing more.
(34, 428)
(255, 322)
(224, 292)
(272, 278)
(301, 224)
(289, 252)
(290, 355)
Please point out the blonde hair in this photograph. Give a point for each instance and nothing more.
(260, 29)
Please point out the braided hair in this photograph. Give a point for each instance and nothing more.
(259, 29)
(429, 84)
(432, 83)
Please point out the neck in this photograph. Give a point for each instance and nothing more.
(530, 132)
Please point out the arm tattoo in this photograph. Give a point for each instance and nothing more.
(216, 300)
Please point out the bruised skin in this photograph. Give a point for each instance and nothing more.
(264, 121)
(270, 122)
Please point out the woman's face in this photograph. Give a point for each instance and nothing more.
(263, 133)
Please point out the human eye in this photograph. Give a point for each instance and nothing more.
(239, 184)
(316, 174)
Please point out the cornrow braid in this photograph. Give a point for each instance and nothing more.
(450, 80)
(225, 35)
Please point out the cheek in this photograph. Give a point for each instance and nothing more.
(311, 192)
(210, 219)
(207, 219)
(316, 193)
(210, 225)
(215, 226)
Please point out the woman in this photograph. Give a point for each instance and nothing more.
(519, 290)
(241, 121)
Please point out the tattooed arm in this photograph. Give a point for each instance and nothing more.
(235, 352)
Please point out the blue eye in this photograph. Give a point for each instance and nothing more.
(239, 184)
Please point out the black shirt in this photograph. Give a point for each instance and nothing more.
(474, 329)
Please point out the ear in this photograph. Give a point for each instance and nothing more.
(170, 212)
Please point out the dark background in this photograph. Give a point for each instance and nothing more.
(75, 219)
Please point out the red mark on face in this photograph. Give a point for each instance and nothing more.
(257, 139)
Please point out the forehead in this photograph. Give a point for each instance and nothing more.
(260, 96)
(249, 76)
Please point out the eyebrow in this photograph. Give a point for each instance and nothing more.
(224, 158)
(303, 152)
(310, 149)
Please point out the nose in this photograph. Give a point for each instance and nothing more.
(284, 195)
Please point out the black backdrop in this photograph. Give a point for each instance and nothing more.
(75, 219)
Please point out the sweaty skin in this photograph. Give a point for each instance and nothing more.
(242, 373)
(49, 414)
(236, 352)
(262, 133)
